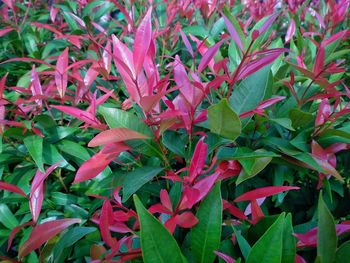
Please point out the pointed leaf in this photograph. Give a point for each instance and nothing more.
(115, 135)
(12, 188)
(142, 41)
(264, 192)
(326, 235)
(157, 244)
(206, 235)
(61, 74)
(268, 249)
(34, 145)
(198, 159)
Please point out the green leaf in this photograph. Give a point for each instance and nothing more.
(117, 118)
(206, 235)
(268, 249)
(242, 153)
(326, 235)
(258, 165)
(299, 118)
(242, 242)
(7, 218)
(68, 240)
(157, 244)
(223, 120)
(343, 252)
(175, 142)
(289, 242)
(284, 122)
(34, 145)
(137, 178)
(52, 156)
(251, 91)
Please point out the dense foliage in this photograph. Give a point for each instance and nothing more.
(174, 131)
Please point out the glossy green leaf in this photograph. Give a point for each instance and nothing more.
(268, 249)
(157, 244)
(326, 235)
(206, 234)
(223, 120)
(136, 179)
(34, 145)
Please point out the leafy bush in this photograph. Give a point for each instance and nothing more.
(174, 131)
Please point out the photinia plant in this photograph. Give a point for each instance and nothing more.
(174, 131)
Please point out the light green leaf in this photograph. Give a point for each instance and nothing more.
(223, 120)
(206, 235)
(157, 244)
(7, 218)
(326, 235)
(284, 122)
(34, 145)
(137, 178)
(268, 249)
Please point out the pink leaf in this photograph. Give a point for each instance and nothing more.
(106, 219)
(2, 84)
(61, 74)
(224, 257)
(107, 57)
(319, 61)
(97, 163)
(43, 232)
(182, 81)
(12, 188)
(142, 41)
(186, 42)
(208, 56)
(14, 231)
(233, 33)
(5, 31)
(290, 31)
(264, 192)
(267, 23)
(115, 135)
(198, 160)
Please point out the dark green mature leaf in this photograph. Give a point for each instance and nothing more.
(242, 242)
(223, 120)
(343, 252)
(326, 235)
(268, 249)
(289, 241)
(137, 178)
(206, 235)
(242, 153)
(251, 91)
(34, 145)
(157, 244)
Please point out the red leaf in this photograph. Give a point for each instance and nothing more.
(115, 135)
(319, 61)
(14, 231)
(61, 74)
(224, 257)
(2, 85)
(208, 56)
(97, 163)
(186, 220)
(264, 192)
(106, 219)
(198, 160)
(12, 188)
(299, 259)
(43, 232)
(165, 200)
(233, 33)
(142, 41)
(107, 57)
(5, 31)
